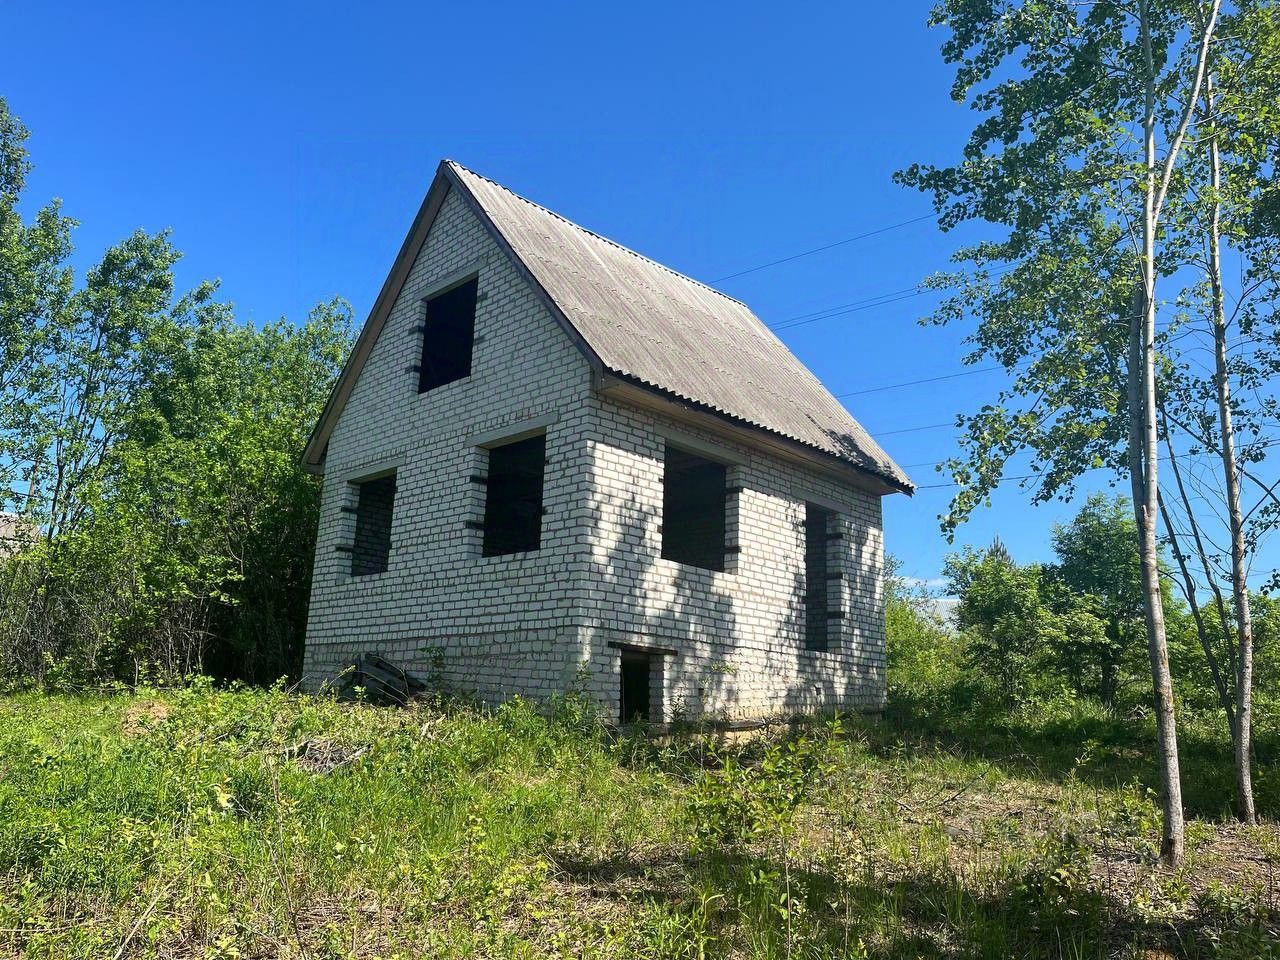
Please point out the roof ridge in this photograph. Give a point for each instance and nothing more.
(601, 237)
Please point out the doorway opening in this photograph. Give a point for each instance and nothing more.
(637, 687)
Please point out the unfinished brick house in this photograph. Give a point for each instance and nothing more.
(551, 463)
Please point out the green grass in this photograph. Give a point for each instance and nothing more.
(213, 823)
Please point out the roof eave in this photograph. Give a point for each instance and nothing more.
(639, 393)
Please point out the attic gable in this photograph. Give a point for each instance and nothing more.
(642, 323)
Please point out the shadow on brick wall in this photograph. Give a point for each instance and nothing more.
(628, 603)
(817, 689)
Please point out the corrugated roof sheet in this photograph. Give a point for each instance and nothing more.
(651, 324)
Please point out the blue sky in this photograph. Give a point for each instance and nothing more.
(288, 146)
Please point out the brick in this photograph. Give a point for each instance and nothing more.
(540, 623)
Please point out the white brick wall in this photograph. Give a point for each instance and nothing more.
(535, 623)
(498, 623)
(739, 634)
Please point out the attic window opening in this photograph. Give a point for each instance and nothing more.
(817, 546)
(375, 504)
(693, 510)
(448, 336)
(513, 498)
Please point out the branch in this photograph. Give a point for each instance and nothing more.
(1202, 61)
(1188, 587)
(1212, 581)
(1268, 490)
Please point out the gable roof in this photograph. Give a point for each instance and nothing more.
(640, 322)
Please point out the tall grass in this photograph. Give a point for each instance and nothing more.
(236, 823)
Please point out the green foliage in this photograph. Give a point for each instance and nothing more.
(37, 284)
(1059, 883)
(925, 658)
(1192, 670)
(1053, 164)
(219, 435)
(1026, 633)
(1096, 588)
(151, 445)
(216, 822)
(1004, 618)
(736, 803)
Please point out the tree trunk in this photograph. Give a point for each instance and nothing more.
(1107, 682)
(1144, 459)
(1242, 732)
(1142, 467)
(1225, 695)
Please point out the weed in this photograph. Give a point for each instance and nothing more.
(227, 822)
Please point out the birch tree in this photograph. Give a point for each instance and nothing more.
(1227, 411)
(1085, 110)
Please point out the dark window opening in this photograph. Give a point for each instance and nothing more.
(636, 691)
(817, 523)
(513, 502)
(448, 336)
(372, 546)
(693, 510)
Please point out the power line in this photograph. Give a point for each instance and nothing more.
(870, 303)
(1019, 368)
(928, 426)
(1163, 459)
(828, 246)
(867, 303)
(912, 383)
(939, 486)
(822, 314)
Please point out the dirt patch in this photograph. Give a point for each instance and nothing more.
(143, 717)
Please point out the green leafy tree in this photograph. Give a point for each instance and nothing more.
(925, 654)
(211, 466)
(35, 288)
(74, 393)
(1099, 572)
(1228, 408)
(155, 445)
(1002, 614)
(1085, 113)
